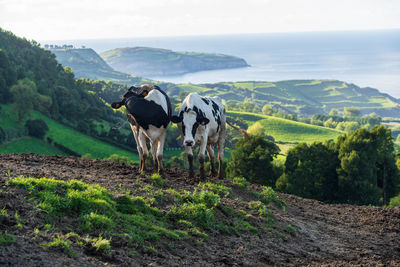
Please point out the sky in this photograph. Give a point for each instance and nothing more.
(100, 19)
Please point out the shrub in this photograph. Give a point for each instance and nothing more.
(395, 201)
(37, 128)
(240, 182)
(253, 160)
(118, 158)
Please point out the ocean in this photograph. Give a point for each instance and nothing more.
(365, 58)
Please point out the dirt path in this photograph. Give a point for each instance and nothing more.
(332, 235)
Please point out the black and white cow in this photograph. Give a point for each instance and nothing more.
(148, 110)
(202, 119)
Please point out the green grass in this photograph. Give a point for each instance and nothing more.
(100, 215)
(6, 238)
(286, 130)
(68, 137)
(30, 145)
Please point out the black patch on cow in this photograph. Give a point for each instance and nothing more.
(194, 129)
(215, 106)
(145, 112)
(205, 100)
(183, 128)
(198, 111)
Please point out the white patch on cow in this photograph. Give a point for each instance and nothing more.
(154, 133)
(158, 98)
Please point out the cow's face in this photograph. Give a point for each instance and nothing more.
(189, 121)
(136, 92)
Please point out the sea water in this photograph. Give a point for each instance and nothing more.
(365, 58)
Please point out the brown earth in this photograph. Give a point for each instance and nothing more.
(326, 235)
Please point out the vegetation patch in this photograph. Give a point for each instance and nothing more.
(99, 216)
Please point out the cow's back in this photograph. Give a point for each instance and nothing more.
(154, 109)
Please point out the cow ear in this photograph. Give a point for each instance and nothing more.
(202, 120)
(176, 119)
(116, 105)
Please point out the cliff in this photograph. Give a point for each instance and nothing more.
(145, 61)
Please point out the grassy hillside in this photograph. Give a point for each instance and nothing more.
(286, 130)
(68, 137)
(146, 61)
(29, 144)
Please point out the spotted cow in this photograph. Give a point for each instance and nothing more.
(148, 110)
(202, 119)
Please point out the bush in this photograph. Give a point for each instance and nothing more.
(253, 159)
(310, 171)
(395, 202)
(37, 128)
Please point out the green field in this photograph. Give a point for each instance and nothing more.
(29, 144)
(286, 130)
(68, 137)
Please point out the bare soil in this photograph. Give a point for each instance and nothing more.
(326, 234)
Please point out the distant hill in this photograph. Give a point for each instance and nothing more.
(302, 97)
(146, 61)
(86, 63)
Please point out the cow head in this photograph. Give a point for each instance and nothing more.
(190, 120)
(137, 92)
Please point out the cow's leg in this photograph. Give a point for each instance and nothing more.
(153, 144)
(160, 151)
(142, 141)
(202, 151)
(139, 149)
(189, 154)
(210, 152)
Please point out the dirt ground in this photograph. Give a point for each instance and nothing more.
(327, 235)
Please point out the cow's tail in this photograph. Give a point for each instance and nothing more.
(241, 131)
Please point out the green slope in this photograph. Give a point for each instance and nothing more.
(68, 137)
(286, 130)
(29, 144)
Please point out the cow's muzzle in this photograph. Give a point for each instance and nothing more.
(189, 143)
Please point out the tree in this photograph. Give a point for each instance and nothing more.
(357, 175)
(310, 171)
(267, 110)
(334, 112)
(252, 159)
(24, 97)
(351, 112)
(387, 172)
(256, 129)
(37, 128)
